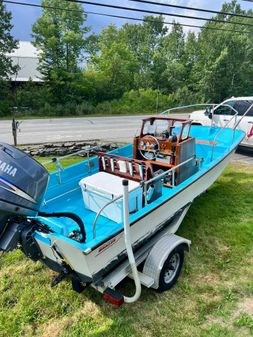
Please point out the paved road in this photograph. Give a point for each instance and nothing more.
(72, 129)
(35, 131)
(244, 156)
(115, 129)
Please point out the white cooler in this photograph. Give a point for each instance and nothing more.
(102, 187)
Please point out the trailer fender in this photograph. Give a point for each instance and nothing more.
(159, 254)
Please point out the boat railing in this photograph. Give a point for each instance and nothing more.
(223, 127)
(60, 168)
(58, 159)
(228, 122)
(245, 113)
(216, 106)
(145, 185)
(187, 106)
(94, 226)
(171, 171)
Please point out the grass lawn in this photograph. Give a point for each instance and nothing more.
(213, 297)
(64, 162)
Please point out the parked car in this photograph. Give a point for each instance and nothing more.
(222, 113)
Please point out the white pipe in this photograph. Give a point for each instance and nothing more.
(129, 249)
(187, 106)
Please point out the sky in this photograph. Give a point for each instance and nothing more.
(23, 17)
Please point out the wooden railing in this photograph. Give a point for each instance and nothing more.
(129, 168)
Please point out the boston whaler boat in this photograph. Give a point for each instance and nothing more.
(95, 222)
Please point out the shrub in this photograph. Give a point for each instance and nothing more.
(85, 108)
(5, 109)
(137, 101)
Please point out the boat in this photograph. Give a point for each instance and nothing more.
(97, 220)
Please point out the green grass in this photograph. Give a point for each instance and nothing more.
(51, 167)
(213, 297)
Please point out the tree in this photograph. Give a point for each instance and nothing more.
(7, 43)
(59, 34)
(114, 65)
(144, 41)
(169, 68)
(125, 60)
(223, 67)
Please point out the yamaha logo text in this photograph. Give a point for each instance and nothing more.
(6, 168)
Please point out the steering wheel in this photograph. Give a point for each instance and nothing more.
(149, 147)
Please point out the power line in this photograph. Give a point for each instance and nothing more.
(158, 12)
(123, 17)
(42, 6)
(171, 23)
(194, 8)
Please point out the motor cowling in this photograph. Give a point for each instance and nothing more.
(23, 182)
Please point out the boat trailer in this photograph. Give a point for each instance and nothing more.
(161, 257)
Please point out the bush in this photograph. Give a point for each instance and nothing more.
(137, 101)
(5, 109)
(36, 100)
(183, 96)
(85, 108)
(6, 99)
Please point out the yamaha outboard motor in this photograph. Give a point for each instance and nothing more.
(23, 182)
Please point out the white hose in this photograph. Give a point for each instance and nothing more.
(129, 249)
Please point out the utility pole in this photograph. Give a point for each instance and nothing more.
(15, 127)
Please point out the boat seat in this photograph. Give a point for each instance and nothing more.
(124, 167)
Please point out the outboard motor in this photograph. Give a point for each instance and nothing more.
(23, 182)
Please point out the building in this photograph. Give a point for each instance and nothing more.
(26, 56)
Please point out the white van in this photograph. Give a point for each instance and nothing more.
(221, 114)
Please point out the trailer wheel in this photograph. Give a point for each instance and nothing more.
(171, 269)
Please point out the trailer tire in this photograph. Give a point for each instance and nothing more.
(171, 269)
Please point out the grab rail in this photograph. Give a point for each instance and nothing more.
(234, 128)
(57, 160)
(216, 106)
(187, 106)
(144, 184)
(160, 176)
(221, 130)
(245, 113)
(168, 171)
(102, 208)
(99, 212)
